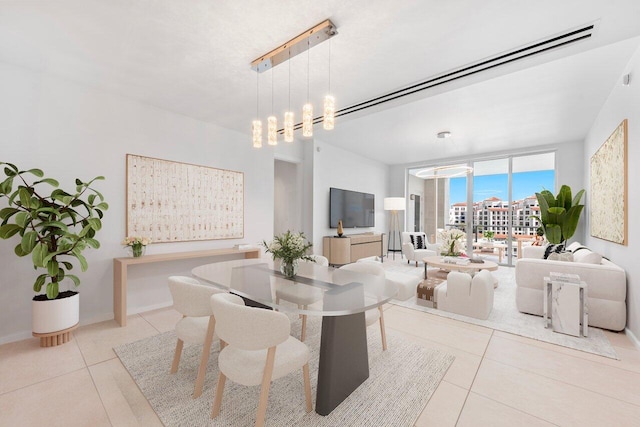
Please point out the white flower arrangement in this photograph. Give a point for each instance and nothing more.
(289, 247)
(136, 241)
(452, 242)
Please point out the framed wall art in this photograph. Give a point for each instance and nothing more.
(173, 202)
(608, 181)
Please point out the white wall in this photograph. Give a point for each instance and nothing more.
(335, 167)
(416, 186)
(73, 131)
(287, 201)
(623, 103)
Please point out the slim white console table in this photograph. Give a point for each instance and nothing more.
(120, 266)
(348, 249)
(565, 307)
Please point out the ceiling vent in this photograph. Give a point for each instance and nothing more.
(527, 51)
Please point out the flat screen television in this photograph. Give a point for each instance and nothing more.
(355, 209)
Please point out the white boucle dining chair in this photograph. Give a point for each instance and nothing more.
(256, 349)
(371, 316)
(197, 326)
(303, 296)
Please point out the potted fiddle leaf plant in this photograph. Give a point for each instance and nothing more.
(559, 215)
(54, 227)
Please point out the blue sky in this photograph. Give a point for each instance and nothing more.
(485, 186)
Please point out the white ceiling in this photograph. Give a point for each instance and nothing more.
(192, 57)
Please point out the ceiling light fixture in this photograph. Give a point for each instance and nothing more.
(256, 126)
(272, 121)
(299, 44)
(445, 134)
(288, 115)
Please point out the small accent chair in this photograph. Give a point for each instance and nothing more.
(257, 349)
(371, 316)
(413, 254)
(468, 296)
(303, 296)
(197, 325)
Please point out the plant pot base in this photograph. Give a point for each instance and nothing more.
(52, 339)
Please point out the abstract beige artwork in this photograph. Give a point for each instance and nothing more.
(172, 202)
(608, 198)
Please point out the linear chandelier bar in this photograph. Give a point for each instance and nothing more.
(297, 45)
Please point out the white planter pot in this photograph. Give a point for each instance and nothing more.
(55, 315)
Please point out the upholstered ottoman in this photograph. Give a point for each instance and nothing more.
(407, 283)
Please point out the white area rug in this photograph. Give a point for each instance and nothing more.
(401, 381)
(505, 315)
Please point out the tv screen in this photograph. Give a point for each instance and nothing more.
(355, 209)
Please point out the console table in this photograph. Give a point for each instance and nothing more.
(120, 266)
(348, 249)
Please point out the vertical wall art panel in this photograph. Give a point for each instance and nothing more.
(172, 202)
(608, 198)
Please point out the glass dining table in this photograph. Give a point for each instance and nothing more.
(341, 297)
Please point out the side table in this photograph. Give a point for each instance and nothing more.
(565, 307)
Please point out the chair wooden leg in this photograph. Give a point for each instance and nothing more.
(176, 356)
(264, 390)
(382, 331)
(299, 308)
(217, 401)
(204, 359)
(416, 263)
(303, 333)
(307, 387)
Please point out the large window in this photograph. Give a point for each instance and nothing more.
(502, 207)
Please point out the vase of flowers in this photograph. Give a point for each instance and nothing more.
(289, 248)
(452, 242)
(136, 245)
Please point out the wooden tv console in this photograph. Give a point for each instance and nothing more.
(348, 249)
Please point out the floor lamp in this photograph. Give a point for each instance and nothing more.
(394, 204)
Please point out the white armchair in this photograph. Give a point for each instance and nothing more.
(413, 254)
(468, 296)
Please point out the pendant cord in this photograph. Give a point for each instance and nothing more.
(257, 95)
(289, 79)
(308, 68)
(272, 91)
(329, 66)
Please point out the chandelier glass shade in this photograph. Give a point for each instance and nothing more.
(288, 126)
(329, 112)
(272, 130)
(256, 127)
(307, 120)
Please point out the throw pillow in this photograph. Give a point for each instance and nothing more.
(586, 256)
(551, 248)
(417, 240)
(562, 256)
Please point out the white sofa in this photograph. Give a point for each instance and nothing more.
(413, 254)
(607, 284)
(468, 296)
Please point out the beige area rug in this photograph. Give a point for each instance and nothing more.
(505, 315)
(401, 381)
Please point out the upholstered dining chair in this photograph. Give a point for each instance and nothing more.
(371, 316)
(256, 349)
(303, 296)
(197, 326)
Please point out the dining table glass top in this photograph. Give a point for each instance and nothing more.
(315, 290)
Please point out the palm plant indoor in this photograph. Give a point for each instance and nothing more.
(559, 215)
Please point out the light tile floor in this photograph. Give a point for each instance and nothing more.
(497, 379)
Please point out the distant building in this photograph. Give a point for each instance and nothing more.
(492, 214)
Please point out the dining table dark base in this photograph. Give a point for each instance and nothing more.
(344, 360)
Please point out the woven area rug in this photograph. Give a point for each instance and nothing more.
(505, 315)
(401, 381)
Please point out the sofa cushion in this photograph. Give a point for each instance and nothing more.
(562, 256)
(575, 245)
(552, 248)
(587, 256)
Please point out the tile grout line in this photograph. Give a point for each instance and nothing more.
(434, 341)
(515, 409)
(46, 379)
(474, 378)
(95, 386)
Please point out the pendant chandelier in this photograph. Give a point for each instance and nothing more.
(299, 44)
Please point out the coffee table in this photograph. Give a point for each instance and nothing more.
(438, 261)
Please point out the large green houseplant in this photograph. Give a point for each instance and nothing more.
(54, 226)
(559, 215)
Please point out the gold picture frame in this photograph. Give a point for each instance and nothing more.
(608, 200)
(171, 201)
